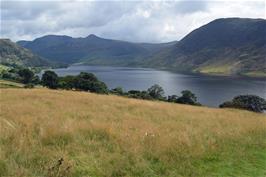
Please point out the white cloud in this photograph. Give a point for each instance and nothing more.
(139, 21)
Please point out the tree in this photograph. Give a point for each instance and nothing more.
(187, 98)
(86, 82)
(67, 82)
(156, 92)
(50, 79)
(88, 77)
(98, 87)
(248, 102)
(35, 80)
(83, 81)
(26, 75)
(145, 95)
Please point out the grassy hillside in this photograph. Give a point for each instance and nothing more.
(11, 53)
(66, 133)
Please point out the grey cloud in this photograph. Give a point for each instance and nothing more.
(140, 21)
(191, 6)
(27, 10)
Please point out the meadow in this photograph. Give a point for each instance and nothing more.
(59, 133)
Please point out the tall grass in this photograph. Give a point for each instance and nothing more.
(65, 133)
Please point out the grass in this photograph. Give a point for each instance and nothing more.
(256, 74)
(10, 84)
(52, 133)
(222, 70)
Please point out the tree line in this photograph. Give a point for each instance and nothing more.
(89, 82)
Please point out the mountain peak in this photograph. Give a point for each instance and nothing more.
(52, 36)
(93, 36)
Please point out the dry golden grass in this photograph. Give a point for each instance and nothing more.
(99, 135)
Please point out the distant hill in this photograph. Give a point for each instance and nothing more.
(92, 50)
(230, 46)
(11, 53)
(227, 46)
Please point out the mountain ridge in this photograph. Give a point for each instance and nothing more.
(225, 46)
(91, 49)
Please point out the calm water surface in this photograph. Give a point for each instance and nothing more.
(211, 91)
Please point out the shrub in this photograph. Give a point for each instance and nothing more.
(133, 92)
(139, 94)
(172, 98)
(117, 91)
(248, 102)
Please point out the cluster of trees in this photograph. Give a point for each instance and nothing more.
(248, 102)
(156, 92)
(89, 82)
(83, 82)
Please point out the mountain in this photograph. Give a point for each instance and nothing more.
(11, 53)
(228, 46)
(92, 50)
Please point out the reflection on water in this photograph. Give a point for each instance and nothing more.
(210, 91)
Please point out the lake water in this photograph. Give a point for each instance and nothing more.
(211, 91)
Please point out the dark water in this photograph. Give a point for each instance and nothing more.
(211, 91)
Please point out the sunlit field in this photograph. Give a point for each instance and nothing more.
(52, 133)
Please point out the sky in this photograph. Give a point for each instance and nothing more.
(135, 21)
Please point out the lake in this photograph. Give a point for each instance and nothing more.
(211, 91)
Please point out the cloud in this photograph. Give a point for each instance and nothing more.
(138, 21)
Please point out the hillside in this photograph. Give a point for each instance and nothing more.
(91, 50)
(66, 133)
(11, 53)
(230, 46)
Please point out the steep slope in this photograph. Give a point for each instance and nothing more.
(224, 46)
(11, 53)
(91, 50)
